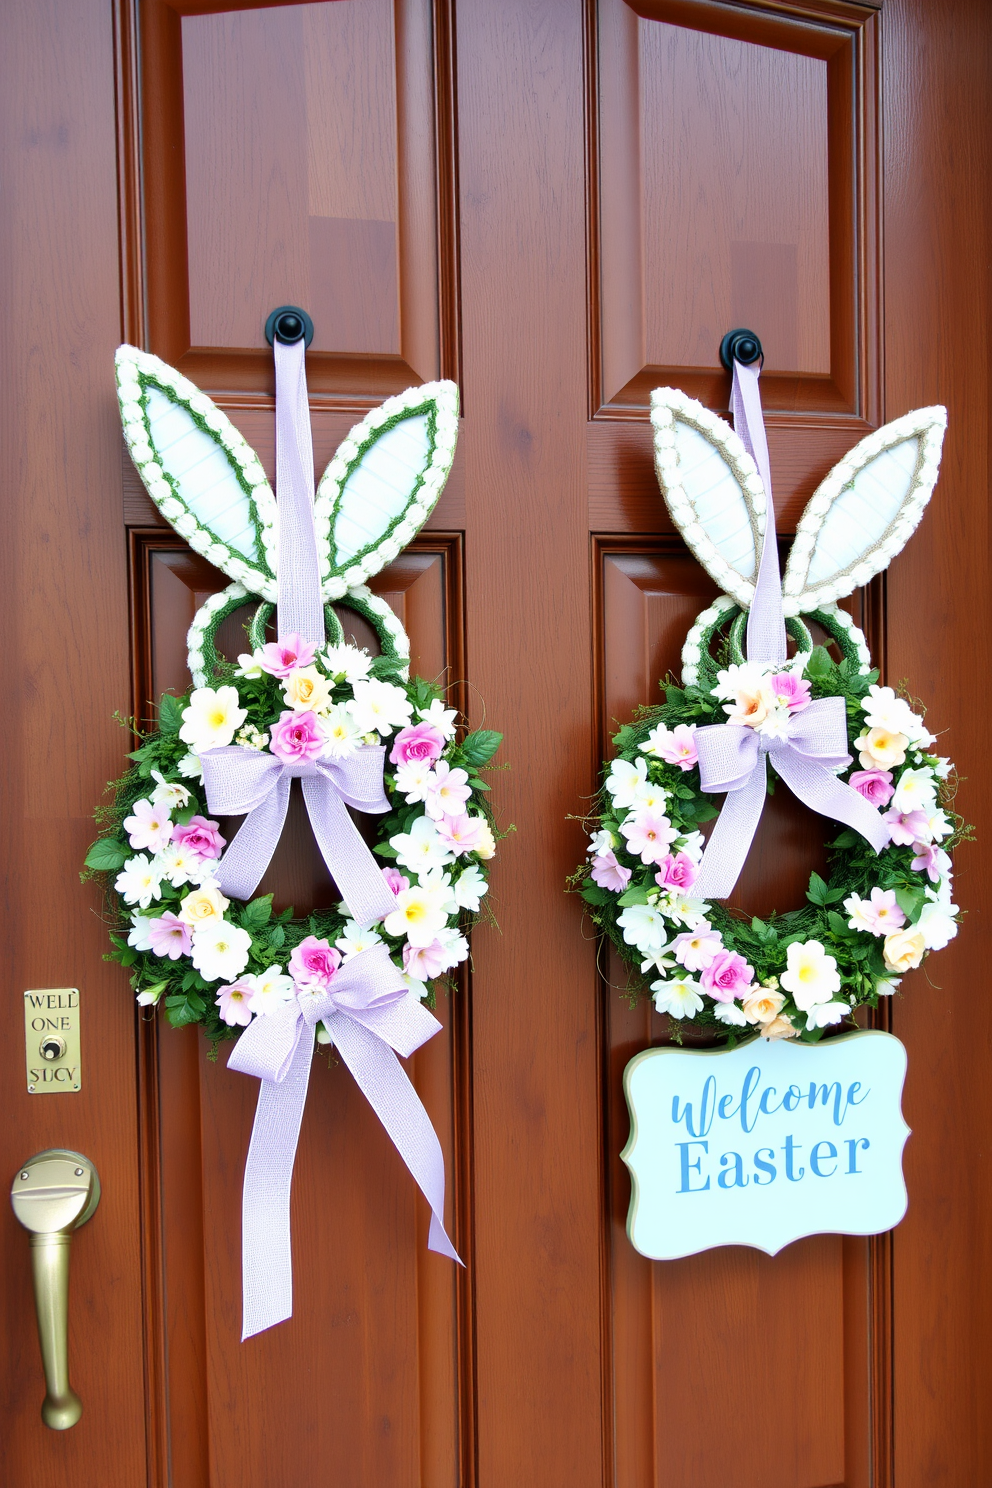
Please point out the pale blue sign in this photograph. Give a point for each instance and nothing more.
(762, 1144)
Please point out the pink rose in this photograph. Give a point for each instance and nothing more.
(296, 738)
(875, 785)
(395, 880)
(313, 964)
(727, 976)
(421, 742)
(608, 873)
(279, 658)
(200, 836)
(790, 691)
(678, 872)
(170, 936)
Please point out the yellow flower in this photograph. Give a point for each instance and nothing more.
(881, 749)
(903, 950)
(306, 691)
(486, 847)
(763, 1006)
(779, 1028)
(203, 905)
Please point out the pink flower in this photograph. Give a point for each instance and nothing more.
(279, 658)
(447, 791)
(148, 826)
(727, 976)
(790, 691)
(395, 881)
(234, 1003)
(679, 872)
(697, 949)
(425, 962)
(608, 872)
(313, 964)
(680, 747)
(649, 834)
(296, 738)
(875, 785)
(200, 836)
(170, 936)
(879, 914)
(907, 827)
(421, 742)
(928, 858)
(460, 834)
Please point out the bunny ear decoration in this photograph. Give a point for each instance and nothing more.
(203, 476)
(863, 513)
(712, 488)
(383, 483)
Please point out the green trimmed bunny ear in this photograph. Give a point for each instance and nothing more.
(198, 469)
(383, 483)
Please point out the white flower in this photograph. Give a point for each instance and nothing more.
(938, 826)
(138, 934)
(419, 989)
(729, 1012)
(915, 791)
(421, 848)
(419, 913)
(882, 709)
(811, 974)
(885, 986)
(680, 997)
(650, 797)
(150, 996)
(355, 938)
(442, 718)
(643, 926)
(436, 878)
(379, 707)
(269, 990)
(455, 946)
(601, 842)
(139, 881)
(347, 662)
(413, 780)
(167, 793)
(250, 737)
(189, 767)
(659, 963)
(180, 865)
(937, 923)
(825, 1013)
(220, 950)
(341, 732)
(212, 718)
(685, 911)
(469, 888)
(745, 677)
(943, 767)
(249, 664)
(693, 844)
(624, 781)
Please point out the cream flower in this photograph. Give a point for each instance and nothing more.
(880, 749)
(763, 1006)
(904, 950)
(882, 709)
(485, 848)
(751, 705)
(341, 732)
(811, 974)
(220, 951)
(778, 1028)
(203, 905)
(212, 718)
(306, 691)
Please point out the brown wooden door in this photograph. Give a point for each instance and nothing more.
(561, 204)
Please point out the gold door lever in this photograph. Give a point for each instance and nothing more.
(53, 1194)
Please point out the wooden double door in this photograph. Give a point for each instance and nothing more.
(561, 204)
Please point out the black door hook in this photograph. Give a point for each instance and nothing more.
(741, 346)
(289, 323)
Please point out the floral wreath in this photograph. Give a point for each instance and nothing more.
(211, 958)
(887, 902)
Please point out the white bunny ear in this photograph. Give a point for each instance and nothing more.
(199, 471)
(864, 511)
(712, 488)
(382, 484)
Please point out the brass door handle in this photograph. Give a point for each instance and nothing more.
(53, 1194)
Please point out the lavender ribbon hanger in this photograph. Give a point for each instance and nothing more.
(365, 1006)
(732, 757)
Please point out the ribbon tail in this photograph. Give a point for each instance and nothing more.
(266, 1254)
(731, 838)
(822, 792)
(300, 606)
(765, 623)
(346, 853)
(385, 1085)
(251, 849)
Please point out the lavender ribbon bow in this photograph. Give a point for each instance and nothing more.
(370, 1016)
(732, 757)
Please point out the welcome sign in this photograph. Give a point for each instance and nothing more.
(763, 1144)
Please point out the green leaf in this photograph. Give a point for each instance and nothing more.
(384, 850)
(106, 855)
(840, 926)
(277, 936)
(170, 714)
(257, 913)
(674, 695)
(480, 746)
(634, 895)
(847, 838)
(477, 784)
(820, 666)
(817, 891)
(911, 902)
(699, 810)
(593, 894)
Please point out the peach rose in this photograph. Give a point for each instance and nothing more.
(903, 950)
(880, 749)
(778, 1028)
(763, 1006)
(203, 905)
